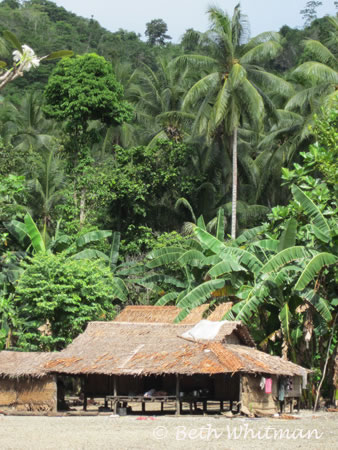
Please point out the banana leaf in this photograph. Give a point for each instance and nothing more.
(92, 236)
(311, 209)
(199, 295)
(34, 234)
(284, 257)
(313, 267)
(288, 237)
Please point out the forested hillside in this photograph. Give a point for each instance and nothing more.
(144, 172)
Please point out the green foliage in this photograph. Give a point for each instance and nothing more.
(156, 32)
(13, 193)
(84, 88)
(63, 294)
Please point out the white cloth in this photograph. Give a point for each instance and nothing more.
(262, 383)
(304, 379)
(204, 330)
(150, 393)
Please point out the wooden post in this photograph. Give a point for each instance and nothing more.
(115, 386)
(115, 394)
(84, 389)
(240, 393)
(178, 403)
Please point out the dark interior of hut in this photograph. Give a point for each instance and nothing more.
(129, 394)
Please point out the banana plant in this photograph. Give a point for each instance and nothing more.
(32, 240)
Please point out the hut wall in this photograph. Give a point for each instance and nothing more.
(232, 339)
(296, 390)
(28, 393)
(255, 399)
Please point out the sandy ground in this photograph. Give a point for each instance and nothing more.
(310, 431)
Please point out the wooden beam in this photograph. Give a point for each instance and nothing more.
(178, 403)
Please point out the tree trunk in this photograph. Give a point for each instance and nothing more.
(234, 185)
(83, 206)
(326, 362)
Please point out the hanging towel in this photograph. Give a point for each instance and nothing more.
(304, 379)
(268, 385)
(262, 383)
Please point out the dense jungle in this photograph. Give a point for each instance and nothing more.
(149, 172)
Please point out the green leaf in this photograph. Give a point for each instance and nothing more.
(199, 295)
(267, 244)
(167, 256)
(285, 318)
(282, 258)
(207, 239)
(320, 304)
(92, 236)
(3, 64)
(119, 289)
(244, 257)
(114, 250)
(166, 298)
(90, 253)
(220, 225)
(10, 37)
(58, 54)
(34, 234)
(191, 257)
(311, 209)
(161, 278)
(288, 237)
(17, 229)
(228, 266)
(248, 306)
(313, 267)
(201, 223)
(250, 234)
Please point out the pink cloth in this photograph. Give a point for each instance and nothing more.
(268, 385)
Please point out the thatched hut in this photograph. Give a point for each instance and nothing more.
(216, 361)
(24, 383)
(168, 314)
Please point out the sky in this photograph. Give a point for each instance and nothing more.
(179, 15)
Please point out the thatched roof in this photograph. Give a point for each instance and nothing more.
(167, 314)
(19, 364)
(123, 348)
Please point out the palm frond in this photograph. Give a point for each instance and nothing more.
(200, 89)
(316, 72)
(321, 53)
(261, 53)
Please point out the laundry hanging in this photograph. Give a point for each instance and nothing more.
(268, 386)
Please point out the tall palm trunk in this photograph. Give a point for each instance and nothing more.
(234, 184)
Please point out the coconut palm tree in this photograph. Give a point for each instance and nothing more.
(230, 93)
(25, 126)
(157, 96)
(317, 82)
